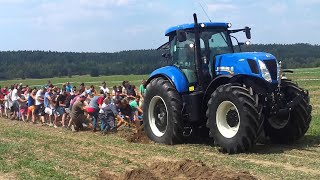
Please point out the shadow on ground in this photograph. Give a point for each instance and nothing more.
(305, 143)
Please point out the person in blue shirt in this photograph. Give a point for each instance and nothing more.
(49, 105)
(68, 87)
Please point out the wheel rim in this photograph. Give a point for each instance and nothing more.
(228, 119)
(281, 120)
(158, 116)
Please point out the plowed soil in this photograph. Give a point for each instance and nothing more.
(182, 170)
(132, 137)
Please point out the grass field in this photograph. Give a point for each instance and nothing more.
(77, 80)
(34, 152)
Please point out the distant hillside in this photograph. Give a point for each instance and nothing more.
(46, 64)
(293, 55)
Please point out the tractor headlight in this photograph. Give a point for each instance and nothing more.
(264, 71)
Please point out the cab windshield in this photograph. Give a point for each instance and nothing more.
(215, 42)
(212, 42)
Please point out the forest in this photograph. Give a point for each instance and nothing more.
(47, 64)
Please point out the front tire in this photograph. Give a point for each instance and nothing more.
(298, 120)
(233, 118)
(162, 112)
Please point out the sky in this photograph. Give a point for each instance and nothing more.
(117, 25)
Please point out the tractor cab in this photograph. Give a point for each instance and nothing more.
(214, 39)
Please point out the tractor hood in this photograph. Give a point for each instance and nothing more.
(248, 55)
(259, 64)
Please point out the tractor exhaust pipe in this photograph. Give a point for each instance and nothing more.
(198, 52)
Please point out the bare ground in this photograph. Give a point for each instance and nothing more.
(126, 155)
(182, 170)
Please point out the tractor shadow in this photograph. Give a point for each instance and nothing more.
(307, 143)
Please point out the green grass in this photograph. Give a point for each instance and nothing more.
(77, 80)
(34, 152)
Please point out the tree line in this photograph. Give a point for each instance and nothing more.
(47, 64)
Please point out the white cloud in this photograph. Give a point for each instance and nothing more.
(56, 15)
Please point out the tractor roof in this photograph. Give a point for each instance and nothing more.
(191, 25)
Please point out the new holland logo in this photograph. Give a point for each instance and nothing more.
(226, 69)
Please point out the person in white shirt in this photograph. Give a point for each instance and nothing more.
(7, 105)
(15, 105)
(39, 106)
(104, 88)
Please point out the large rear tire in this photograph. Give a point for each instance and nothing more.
(233, 118)
(298, 120)
(162, 112)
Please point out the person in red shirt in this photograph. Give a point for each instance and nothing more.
(93, 109)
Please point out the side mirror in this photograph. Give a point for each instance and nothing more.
(181, 35)
(248, 33)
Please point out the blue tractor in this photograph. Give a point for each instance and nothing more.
(233, 97)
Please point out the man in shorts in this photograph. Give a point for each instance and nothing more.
(15, 105)
(60, 108)
(39, 106)
(48, 105)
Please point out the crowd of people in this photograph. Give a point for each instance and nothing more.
(75, 108)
